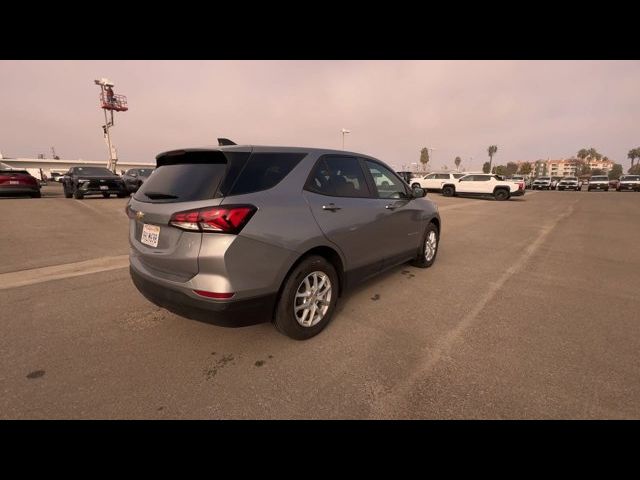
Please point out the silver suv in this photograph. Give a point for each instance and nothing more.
(239, 234)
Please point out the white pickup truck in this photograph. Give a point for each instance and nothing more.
(484, 184)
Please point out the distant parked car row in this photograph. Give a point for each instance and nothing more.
(470, 184)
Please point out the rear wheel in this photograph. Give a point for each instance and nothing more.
(308, 299)
(448, 191)
(428, 249)
(501, 194)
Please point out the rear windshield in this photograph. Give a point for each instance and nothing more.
(201, 175)
(11, 170)
(92, 171)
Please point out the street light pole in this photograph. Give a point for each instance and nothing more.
(344, 131)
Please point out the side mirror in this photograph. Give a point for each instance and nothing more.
(418, 192)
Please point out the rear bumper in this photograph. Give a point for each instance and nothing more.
(224, 313)
(18, 190)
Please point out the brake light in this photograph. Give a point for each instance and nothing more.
(227, 219)
(129, 211)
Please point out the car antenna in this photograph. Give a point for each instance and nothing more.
(225, 141)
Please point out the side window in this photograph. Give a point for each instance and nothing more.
(467, 178)
(482, 178)
(338, 177)
(264, 171)
(458, 175)
(430, 176)
(387, 184)
(442, 176)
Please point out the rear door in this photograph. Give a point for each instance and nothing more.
(341, 202)
(184, 180)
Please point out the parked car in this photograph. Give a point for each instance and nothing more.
(484, 184)
(569, 183)
(598, 182)
(57, 176)
(406, 176)
(541, 183)
(16, 182)
(135, 177)
(81, 181)
(246, 233)
(522, 178)
(554, 182)
(629, 182)
(434, 181)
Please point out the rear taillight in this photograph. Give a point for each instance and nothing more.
(129, 211)
(227, 219)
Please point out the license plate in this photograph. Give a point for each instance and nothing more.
(13, 182)
(150, 235)
(104, 187)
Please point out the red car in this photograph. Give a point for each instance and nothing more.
(16, 182)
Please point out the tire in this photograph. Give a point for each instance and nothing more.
(77, 194)
(285, 319)
(67, 194)
(448, 191)
(501, 195)
(424, 260)
(606, 189)
(36, 195)
(106, 195)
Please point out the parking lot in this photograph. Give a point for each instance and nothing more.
(530, 311)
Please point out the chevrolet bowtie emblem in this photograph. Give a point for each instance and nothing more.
(139, 215)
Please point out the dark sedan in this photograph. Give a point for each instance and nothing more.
(135, 177)
(79, 182)
(15, 182)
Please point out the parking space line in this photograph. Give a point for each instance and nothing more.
(385, 403)
(57, 272)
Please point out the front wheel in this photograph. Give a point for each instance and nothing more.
(308, 299)
(106, 195)
(77, 194)
(428, 249)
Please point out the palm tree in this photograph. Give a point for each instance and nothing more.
(457, 161)
(491, 151)
(633, 154)
(424, 157)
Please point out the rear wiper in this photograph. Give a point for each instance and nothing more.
(159, 195)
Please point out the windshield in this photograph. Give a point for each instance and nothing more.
(630, 178)
(600, 179)
(145, 172)
(93, 171)
(543, 179)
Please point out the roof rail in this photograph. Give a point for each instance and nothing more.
(225, 141)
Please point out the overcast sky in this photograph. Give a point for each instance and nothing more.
(529, 109)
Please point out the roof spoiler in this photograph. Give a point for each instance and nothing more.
(225, 141)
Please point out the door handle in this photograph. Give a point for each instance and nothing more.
(331, 207)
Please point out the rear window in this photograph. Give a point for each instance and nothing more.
(200, 175)
(92, 171)
(184, 177)
(264, 171)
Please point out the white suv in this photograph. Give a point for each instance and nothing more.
(434, 181)
(484, 184)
